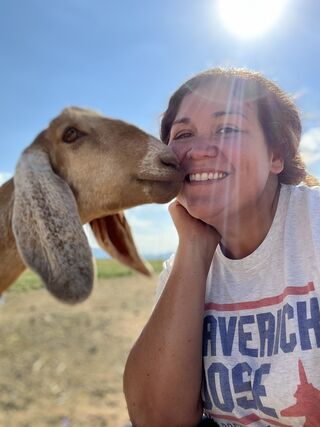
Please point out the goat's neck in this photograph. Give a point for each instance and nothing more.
(11, 265)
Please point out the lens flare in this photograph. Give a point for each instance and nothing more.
(250, 18)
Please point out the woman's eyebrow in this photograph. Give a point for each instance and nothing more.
(187, 120)
(229, 113)
(184, 120)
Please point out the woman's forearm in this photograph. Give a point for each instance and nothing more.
(162, 379)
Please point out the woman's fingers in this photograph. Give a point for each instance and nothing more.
(190, 228)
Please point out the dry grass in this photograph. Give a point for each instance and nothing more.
(62, 365)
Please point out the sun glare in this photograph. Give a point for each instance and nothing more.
(250, 18)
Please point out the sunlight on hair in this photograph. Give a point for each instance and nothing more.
(250, 18)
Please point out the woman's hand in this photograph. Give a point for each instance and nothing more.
(193, 231)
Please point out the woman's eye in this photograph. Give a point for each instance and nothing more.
(182, 135)
(227, 130)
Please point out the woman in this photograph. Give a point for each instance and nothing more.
(236, 329)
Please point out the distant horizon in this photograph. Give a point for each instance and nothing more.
(100, 254)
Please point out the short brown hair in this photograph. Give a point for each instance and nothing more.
(277, 113)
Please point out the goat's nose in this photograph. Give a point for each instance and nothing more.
(168, 158)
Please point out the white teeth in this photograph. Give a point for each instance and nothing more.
(216, 175)
(204, 176)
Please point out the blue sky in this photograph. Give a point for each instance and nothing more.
(124, 58)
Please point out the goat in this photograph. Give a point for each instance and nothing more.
(84, 168)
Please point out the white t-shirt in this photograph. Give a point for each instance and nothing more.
(261, 330)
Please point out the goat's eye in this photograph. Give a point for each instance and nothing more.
(71, 134)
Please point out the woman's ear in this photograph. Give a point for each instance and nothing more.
(48, 230)
(277, 163)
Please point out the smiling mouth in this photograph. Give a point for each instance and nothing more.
(206, 176)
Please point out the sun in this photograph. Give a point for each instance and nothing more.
(250, 18)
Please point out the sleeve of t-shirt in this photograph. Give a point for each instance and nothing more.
(163, 278)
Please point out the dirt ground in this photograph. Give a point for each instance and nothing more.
(62, 365)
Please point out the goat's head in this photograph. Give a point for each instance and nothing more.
(86, 168)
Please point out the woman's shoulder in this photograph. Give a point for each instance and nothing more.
(302, 207)
(301, 188)
(301, 194)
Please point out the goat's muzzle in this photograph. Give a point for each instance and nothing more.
(169, 159)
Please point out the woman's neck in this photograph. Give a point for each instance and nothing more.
(243, 234)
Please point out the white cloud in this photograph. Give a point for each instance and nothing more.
(158, 239)
(153, 229)
(310, 146)
(152, 208)
(300, 94)
(4, 176)
(138, 223)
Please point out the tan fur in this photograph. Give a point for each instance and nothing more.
(58, 186)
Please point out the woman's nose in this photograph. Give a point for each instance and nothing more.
(200, 151)
(195, 148)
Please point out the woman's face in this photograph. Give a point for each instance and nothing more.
(221, 146)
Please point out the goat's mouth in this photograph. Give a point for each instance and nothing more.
(161, 189)
(161, 183)
(159, 179)
(174, 177)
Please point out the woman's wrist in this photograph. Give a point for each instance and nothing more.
(196, 253)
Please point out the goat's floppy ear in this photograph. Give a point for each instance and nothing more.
(48, 230)
(114, 236)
